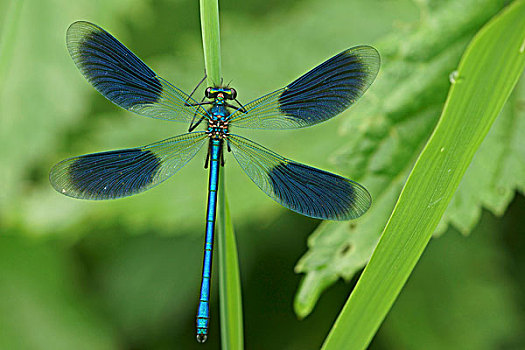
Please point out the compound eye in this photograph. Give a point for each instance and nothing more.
(233, 94)
(208, 93)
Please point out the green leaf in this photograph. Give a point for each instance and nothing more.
(387, 131)
(487, 73)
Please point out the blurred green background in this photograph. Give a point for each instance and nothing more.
(125, 274)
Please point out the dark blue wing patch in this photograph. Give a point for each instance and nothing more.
(317, 193)
(106, 175)
(110, 67)
(331, 87)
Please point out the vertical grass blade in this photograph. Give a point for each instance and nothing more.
(211, 43)
(229, 279)
(487, 73)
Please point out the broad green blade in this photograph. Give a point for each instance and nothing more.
(487, 73)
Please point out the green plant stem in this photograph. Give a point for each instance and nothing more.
(211, 40)
(229, 277)
(487, 73)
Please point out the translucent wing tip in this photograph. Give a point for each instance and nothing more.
(369, 60)
(360, 203)
(76, 35)
(78, 31)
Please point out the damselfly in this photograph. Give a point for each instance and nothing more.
(125, 80)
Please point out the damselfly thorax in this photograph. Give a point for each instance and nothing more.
(219, 114)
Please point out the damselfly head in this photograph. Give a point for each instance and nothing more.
(226, 93)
